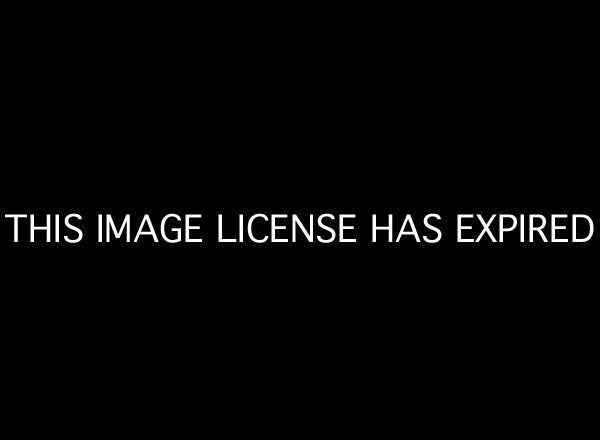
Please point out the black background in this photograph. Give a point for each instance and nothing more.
(386, 112)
